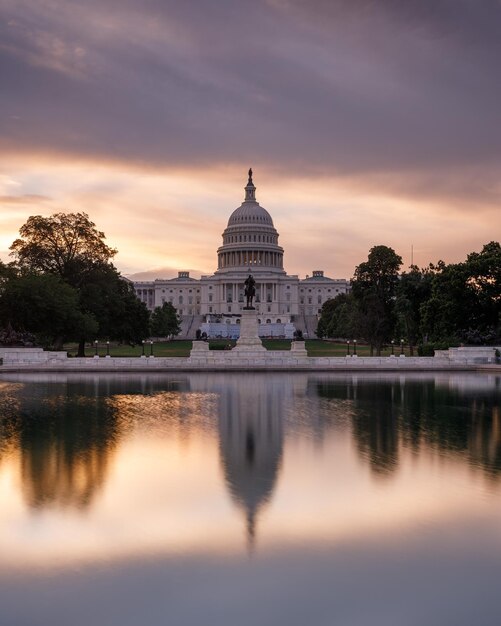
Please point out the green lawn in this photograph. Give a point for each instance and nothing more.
(163, 348)
(315, 347)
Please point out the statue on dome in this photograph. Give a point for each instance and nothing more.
(250, 290)
(250, 175)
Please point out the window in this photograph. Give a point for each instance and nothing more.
(180, 299)
(309, 300)
(268, 321)
(319, 300)
(279, 321)
(210, 287)
(210, 297)
(210, 309)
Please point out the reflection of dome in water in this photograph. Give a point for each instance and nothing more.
(251, 450)
(251, 469)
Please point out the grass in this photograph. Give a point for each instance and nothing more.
(182, 348)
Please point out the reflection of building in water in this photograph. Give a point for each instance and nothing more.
(251, 409)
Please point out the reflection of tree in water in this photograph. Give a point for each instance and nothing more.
(415, 413)
(375, 425)
(65, 431)
(64, 441)
(9, 407)
(65, 451)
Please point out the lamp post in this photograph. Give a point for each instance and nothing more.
(348, 348)
(107, 348)
(392, 347)
(355, 347)
(151, 348)
(143, 348)
(95, 347)
(401, 347)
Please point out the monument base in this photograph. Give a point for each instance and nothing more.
(298, 348)
(249, 340)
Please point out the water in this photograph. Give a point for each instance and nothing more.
(250, 500)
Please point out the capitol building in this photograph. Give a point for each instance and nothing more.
(250, 245)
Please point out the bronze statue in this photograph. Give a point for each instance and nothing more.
(250, 291)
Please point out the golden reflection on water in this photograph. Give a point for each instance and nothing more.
(225, 464)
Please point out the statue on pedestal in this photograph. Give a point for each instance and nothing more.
(250, 290)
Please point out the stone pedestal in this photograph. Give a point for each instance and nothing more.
(199, 347)
(298, 348)
(249, 341)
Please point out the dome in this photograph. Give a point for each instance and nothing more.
(250, 239)
(250, 212)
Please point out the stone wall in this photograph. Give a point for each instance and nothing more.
(251, 358)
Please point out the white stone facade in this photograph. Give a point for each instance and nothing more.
(249, 246)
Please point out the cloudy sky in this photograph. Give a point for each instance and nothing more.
(366, 122)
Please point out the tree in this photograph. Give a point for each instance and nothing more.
(65, 244)
(46, 306)
(465, 300)
(338, 317)
(164, 321)
(111, 299)
(413, 290)
(70, 247)
(484, 279)
(374, 290)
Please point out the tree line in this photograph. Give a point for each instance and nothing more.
(62, 286)
(439, 306)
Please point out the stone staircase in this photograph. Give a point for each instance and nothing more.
(307, 324)
(189, 326)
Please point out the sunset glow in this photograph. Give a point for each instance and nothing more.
(365, 124)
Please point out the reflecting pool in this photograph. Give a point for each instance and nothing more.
(250, 499)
